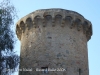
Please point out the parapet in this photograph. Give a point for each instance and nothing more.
(64, 17)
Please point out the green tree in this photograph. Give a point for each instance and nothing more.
(7, 41)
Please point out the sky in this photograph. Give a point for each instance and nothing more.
(90, 9)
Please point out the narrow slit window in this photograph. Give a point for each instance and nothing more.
(79, 71)
(45, 70)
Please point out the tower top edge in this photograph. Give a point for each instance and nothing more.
(52, 11)
(66, 16)
(59, 10)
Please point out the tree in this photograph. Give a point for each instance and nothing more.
(7, 16)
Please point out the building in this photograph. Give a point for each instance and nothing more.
(54, 42)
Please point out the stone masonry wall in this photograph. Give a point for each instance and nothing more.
(54, 39)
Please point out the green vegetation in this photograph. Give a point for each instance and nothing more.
(8, 59)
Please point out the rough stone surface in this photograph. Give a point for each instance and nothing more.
(54, 39)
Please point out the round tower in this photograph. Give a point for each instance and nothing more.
(54, 42)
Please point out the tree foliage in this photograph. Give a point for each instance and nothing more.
(7, 16)
(8, 64)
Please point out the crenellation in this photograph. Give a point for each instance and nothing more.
(18, 32)
(22, 26)
(74, 20)
(69, 21)
(53, 22)
(28, 23)
(58, 19)
(47, 13)
(63, 22)
(78, 23)
(43, 22)
(47, 19)
(36, 21)
(89, 32)
(85, 27)
(59, 14)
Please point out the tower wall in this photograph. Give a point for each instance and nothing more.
(53, 39)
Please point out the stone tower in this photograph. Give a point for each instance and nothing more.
(54, 42)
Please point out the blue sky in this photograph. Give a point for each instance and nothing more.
(90, 9)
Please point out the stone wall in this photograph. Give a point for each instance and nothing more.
(54, 39)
